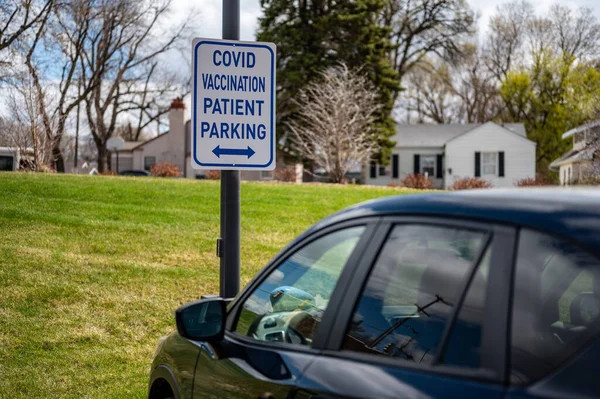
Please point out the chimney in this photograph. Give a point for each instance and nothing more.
(177, 133)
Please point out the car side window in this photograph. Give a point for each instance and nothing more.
(556, 304)
(412, 290)
(289, 304)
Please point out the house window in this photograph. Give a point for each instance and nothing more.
(381, 170)
(395, 166)
(149, 162)
(373, 170)
(428, 165)
(489, 163)
(6, 163)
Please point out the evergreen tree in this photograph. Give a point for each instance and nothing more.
(314, 34)
(362, 43)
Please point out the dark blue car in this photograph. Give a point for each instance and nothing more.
(490, 294)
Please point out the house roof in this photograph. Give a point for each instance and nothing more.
(570, 157)
(134, 145)
(429, 135)
(131, 146)
(580, 129)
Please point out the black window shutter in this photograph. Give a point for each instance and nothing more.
(438, 166)
(501, 164)
(477, 164)
(395, 171)
(417, 165)
(373, 172)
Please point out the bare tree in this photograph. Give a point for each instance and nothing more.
(540, 38)
(18, 16)
(476, 88)
(575, 35)
(419, 28)
(24, 126)
(463, 92)
(334, 128)
(122, 51)
(507, 33)
(429, 94)
(64, 35)
(130, 133)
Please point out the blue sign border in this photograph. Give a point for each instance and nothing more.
(236, 44)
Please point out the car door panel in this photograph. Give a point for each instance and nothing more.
(329, 377)
(575, 380)
(237, 370)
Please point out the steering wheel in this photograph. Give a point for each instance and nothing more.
(300, 325)
(294, 337)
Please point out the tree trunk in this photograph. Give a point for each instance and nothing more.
(57, 159)
(109, 161)
(337, 176)
(101, 158)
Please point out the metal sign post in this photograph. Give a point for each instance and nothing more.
(230, 187)
(233, 124)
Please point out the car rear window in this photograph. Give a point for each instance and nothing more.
(556, 304)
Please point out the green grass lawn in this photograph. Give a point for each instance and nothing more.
(91, 269)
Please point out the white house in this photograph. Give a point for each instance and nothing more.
(9, 159)
(574, 165)
(14, 158)
(173, 147)
(445, 153)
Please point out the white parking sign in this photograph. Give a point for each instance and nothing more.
(233, 105)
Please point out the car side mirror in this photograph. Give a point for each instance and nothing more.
(202, 320)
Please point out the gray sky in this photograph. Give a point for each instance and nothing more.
(210, 10)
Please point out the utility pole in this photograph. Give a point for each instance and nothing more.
(230, 187)
(75, 161)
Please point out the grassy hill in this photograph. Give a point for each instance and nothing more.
(91, 269)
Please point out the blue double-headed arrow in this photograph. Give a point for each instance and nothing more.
(218, 151)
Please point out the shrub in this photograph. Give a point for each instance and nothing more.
(586, 181)
(43, 168)
(165, 169)
(470, 183)
(286, 174)
(533, 182)
(212, 175)
(417, 181)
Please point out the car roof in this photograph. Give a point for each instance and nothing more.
(571, 213)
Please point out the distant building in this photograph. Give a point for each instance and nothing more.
(173, 147)
(12, 159)
(9, 159)
(499, 154)
(575, 164)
